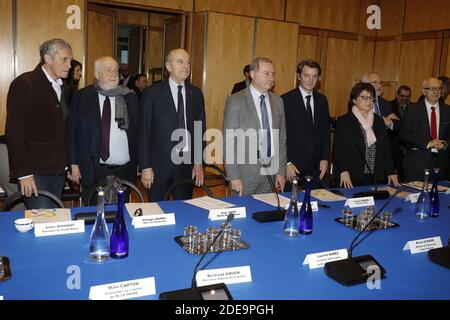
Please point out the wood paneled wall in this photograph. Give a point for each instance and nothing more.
(6, 57)
(426, 15)
(339, 15)
(229, 47)
(37, 23)
(272, 9)
(278, 41)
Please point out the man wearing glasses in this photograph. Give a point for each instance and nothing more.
(426, 133)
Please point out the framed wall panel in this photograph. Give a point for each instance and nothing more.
(339, 59)
(416, 64)
(278, 41)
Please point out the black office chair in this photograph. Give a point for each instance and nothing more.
(221, 176)
(186, 182)
(17, 198)
(130, 188)
(72, 194)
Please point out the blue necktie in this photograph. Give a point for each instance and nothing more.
(266, 126)
(376, 107)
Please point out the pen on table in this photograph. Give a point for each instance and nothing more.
(320, 205)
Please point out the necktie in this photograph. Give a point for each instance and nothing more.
(376, 107)
(180, 111)
(433, 124)
(106, 126)
(309, 109)
(266, 126)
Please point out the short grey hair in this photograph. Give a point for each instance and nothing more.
(50, 47)
(254, 66)
(365, 78)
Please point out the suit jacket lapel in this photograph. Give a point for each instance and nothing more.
(423, 114)
(358, 133)
(273, 110)
(189, 105)
(251, 108)
(167, 96)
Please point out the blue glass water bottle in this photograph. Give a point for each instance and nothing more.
(434, 195)
(306, 215)
(119, 233)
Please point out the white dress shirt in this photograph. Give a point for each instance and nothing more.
(311, 101)
(436, 110)
(118, 141)
(256, 95)
(174, 90)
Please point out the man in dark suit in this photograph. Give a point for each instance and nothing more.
(398, 106)
(103, 130)
(35, 125)
(307, 125)
(425, 133)
(243, 84)
(169, 151)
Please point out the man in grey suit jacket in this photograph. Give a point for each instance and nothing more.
(255, 134)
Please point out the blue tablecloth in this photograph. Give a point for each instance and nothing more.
(40, 266)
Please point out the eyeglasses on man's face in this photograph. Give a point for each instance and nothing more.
(434, 89)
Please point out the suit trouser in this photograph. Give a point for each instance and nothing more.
(125, 172)
(53, 184)
(158, 190)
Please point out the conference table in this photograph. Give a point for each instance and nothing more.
(41, 266)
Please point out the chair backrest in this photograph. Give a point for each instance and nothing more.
(223, 177)
(184, 182)
(130, 186)
(17, 198)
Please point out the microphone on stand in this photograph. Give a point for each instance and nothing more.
(219, 290)
(376, 194)
(353, 270)
(270, 215)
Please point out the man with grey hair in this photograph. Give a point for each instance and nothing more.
(36, 127)
(255, 109)
(103, 130)
(169, 107)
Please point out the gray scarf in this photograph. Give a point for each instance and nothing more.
(118, 92)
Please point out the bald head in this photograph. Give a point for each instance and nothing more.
(106, 71)
(374, 79)
(178, 64)
(431, 89)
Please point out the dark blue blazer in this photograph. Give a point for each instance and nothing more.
(307, 144)
(157, 121)
(86, 131)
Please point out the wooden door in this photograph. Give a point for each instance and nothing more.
(101, 40)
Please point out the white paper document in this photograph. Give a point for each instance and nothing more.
(148, 208)
(209, 203)
(271, 199)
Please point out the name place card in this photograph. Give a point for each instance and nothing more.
(224, 275)
(423, 245)
(58, 228)
(154, 220)
(222, 214)
(314, 206)
(318, 260)
(359, 202)
(123, 290)
(413, 197)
